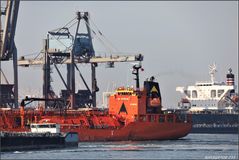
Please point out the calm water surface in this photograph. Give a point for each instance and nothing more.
(193, 146)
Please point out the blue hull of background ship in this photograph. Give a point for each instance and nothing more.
(215, 123)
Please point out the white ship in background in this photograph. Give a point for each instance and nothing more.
(211, 96)
(214, 105)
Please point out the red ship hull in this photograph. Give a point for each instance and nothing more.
(150, 127)
(137, 131)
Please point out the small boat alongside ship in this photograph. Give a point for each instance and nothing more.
(214, 105)
(41, 136)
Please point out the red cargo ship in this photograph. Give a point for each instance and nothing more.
(132, 114)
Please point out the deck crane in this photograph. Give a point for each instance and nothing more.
(8, 51)
(81, 51)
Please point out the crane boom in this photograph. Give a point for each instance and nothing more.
(124, 58)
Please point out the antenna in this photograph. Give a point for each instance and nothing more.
(212, 71)
(135, 71)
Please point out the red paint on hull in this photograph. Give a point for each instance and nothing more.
(135, 131)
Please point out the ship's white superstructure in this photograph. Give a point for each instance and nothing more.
(210, 95)
(45, 127)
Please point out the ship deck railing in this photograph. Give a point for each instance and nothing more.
(165, 118)
(28, 134)
(214, 125)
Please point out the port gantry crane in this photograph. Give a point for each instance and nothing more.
(8, 51)
(81, 51)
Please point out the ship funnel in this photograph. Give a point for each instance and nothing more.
(230, 77)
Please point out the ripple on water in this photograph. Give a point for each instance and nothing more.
(192, 146)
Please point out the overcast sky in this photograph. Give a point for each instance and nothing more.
(178, 40)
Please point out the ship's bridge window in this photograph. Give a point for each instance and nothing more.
(220, 92)
(43, 126)
(124, 93)
(33, 126)
(52, 126)
(194, 94)
(213, 93)
(128, 91)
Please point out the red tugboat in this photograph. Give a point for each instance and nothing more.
(133, 114)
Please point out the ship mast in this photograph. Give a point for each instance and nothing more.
(212, 72)
(135, 71)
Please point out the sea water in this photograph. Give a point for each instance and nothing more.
(193, 146)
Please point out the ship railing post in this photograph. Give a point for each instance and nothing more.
(35, 119)
(152, 118)
(22, 116)
(139, 118)
(160, 115)
(157, 118)
(166, 118)
(136, 118)
(174, 118)
(188, 118)
(148, 118)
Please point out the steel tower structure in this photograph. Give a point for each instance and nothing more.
(8, 51)
(82, 51)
